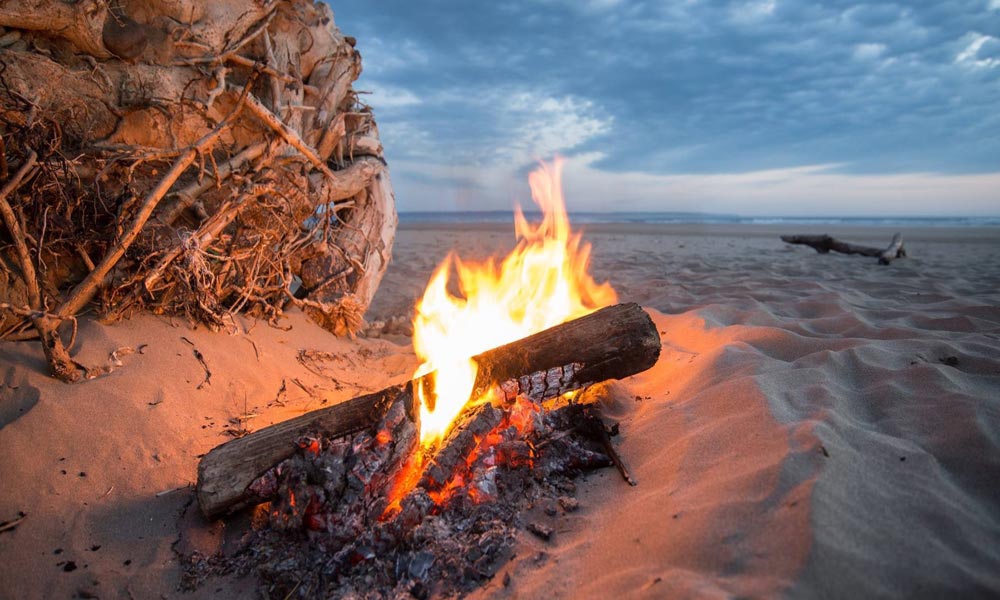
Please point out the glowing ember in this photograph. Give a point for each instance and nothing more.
(541, 283)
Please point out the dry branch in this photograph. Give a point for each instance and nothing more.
(287, 134)
(612, 343)
(824, 244)
(183, 199)
(16, 232)
(86, 289)
(63, 367)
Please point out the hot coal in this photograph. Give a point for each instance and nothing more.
(372, 516)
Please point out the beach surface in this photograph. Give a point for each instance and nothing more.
(817, 426)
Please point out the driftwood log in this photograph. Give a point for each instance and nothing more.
(612, 343)
(824, 244)
(199, 158)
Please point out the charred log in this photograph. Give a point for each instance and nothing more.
(612, 343)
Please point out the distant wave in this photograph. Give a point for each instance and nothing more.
(700, 219)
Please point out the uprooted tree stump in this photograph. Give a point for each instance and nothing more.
(824, 244)
(196, 158)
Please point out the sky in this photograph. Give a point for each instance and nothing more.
(759, 107)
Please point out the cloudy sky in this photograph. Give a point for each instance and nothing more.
(759, 107)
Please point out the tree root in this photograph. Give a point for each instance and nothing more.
(223, 159)
(63, 367)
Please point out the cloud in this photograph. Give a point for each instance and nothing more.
(587, 6)
(692, 88)
(380, 56)
(869, 51)
(800, 191)
(751, 12)
(980, 51)
(807, 190)
(390, 96)
(543, 125)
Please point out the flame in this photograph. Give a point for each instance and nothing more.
(541, 283)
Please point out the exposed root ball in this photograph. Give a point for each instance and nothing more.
(192, 158)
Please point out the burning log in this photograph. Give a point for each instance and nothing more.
(370, 512)
(824, 243)
(611, 343)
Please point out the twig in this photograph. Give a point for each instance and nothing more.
(246, 62)
(211, 228)
(14, 226)
(598, 430)
(172, 490)
(286, 133)
(63, 367)
(185, 197)
(278, 401)
(8, 525)
(253, 33)
(208, 374)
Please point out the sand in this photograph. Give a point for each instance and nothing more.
(817, 426)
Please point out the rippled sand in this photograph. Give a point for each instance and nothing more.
(817, 426)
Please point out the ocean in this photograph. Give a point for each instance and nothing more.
(581, 218)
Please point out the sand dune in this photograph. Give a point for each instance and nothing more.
(817, 426)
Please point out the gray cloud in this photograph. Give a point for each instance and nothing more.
(691, 87)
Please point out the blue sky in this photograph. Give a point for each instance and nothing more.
(750, 107)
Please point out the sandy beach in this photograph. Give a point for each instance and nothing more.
(817, 426)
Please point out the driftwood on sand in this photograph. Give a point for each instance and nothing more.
(189, 157)
(824, 244)
(612, 343)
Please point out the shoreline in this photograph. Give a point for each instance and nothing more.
(863, 232)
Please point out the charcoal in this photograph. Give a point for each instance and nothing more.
(549, 507)
(541, 530)
(329, 529)
(568, 503)
(266, 486)
(420, 564)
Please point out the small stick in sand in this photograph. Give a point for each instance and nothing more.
(9, 525)
(598, 430)
(172, 490)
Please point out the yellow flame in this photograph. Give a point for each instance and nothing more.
(541, 283)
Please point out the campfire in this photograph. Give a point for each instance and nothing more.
(418, 489)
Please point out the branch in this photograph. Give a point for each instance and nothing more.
(14, 226)
(824, 244)
(86, 289)
(286, 133)
(351, 180)
(205, 235)
(185, 197)
(63, 367)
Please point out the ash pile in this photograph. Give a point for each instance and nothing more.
(374, 515)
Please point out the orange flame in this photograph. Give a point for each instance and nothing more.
(541, 283)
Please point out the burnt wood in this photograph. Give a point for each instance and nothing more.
(824, 243)
(611, 343)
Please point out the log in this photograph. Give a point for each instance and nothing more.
(611, 343)
(824, 243)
